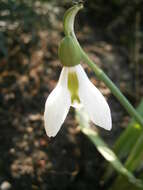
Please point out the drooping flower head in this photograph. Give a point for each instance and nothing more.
(74, 88)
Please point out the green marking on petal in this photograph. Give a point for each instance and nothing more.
(73, 86)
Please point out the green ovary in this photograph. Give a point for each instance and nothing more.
(69, 52)
(73, 87)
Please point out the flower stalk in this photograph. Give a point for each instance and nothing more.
(69, 30)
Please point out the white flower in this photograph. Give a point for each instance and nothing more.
(75, 87)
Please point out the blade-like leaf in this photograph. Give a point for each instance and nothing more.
(126, 141)
(102, 147)
(133, 131)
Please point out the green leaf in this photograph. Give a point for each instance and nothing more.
(126, 141)
(135, 158)
(102, 147)
(133, 131)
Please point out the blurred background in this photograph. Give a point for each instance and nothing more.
(30, 31)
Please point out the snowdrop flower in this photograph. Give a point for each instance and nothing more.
(74, 88)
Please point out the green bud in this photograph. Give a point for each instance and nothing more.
(68, 52)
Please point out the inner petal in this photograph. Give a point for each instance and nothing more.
(73, 86)
(77, 105)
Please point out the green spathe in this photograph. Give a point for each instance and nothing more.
(69, 53)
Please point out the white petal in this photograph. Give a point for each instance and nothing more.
(57, 106)
(93, 101)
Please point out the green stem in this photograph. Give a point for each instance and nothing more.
(69, 30)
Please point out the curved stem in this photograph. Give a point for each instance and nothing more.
(69, 30)
(69, 18)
